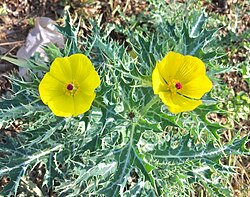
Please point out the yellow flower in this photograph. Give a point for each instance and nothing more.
(68, 88)
(180, 81)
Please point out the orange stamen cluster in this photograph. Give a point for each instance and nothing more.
(173, 86)
(71, 88)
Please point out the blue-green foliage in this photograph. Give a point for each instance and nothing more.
(128, 129)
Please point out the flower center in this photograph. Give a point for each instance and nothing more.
(178, 85)
(71, 88)
(173, 86)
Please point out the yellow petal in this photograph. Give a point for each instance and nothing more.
(49, 88)
(62, 105)
(61, 69)
(66, 105)
(196, 87)
(158, 83)
(90, 83)
(83, 102)
(191, 68)
(81, 67)
(75, 67)
(177, 103)
(169, 65)
(84, 73)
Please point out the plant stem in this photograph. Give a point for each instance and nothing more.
(149, 105)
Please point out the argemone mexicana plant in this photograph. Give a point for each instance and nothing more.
(116, 129)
